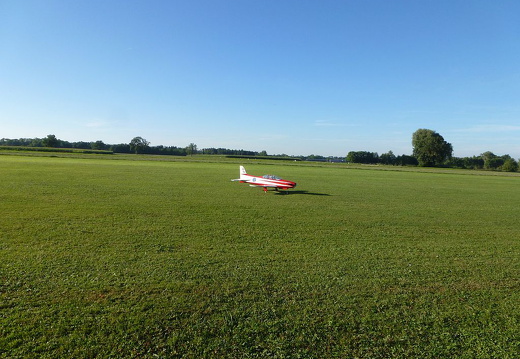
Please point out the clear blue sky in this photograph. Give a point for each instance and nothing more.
(298, 77)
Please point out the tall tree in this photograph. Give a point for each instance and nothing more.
(98, 145)
(510, 165)
(50, 141)
(191, 149)
(430, 148)
(138, 144)
(388, 158)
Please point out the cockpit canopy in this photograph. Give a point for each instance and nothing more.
(271, 177)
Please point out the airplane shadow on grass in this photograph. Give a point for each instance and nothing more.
(285, 193)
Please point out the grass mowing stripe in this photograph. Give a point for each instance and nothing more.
(104, 258)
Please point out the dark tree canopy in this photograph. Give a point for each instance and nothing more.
(51, 141)
(430, 148)
(363, 157)
(191, 149)
(139, 144)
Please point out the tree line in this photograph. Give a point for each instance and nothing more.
(485, 161)
(431, 150)
(136, 145)
(141, 146)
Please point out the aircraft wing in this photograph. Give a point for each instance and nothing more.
(271, 185)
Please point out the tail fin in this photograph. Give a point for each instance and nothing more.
(243, 175)
(242, 172)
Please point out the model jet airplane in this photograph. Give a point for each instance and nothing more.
(266, 181)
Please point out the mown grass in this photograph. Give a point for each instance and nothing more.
(105, 258)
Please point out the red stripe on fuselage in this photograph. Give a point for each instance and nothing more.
(263, 182)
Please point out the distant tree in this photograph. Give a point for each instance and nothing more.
(98, 145)
(50, 141)
(362, 157)
(498, 163)
(82, 144)
(317, 158)
(494, 163)
(191, 149)
(139, 144)
(475, 162)
(487, 156)
(262, 153)
(405, 160)
(457, 162)
(387, 158)
(209, 151)
(15, 142)
(66, 144)
(36, 142)
(170, 150)
(430, 148)
(510, 165)
(121, 148)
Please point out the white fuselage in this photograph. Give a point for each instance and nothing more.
(267, 181)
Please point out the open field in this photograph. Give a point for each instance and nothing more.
(116, 258)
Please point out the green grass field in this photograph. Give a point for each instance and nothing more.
(107, 258)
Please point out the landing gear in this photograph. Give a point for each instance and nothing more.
(283, 191)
